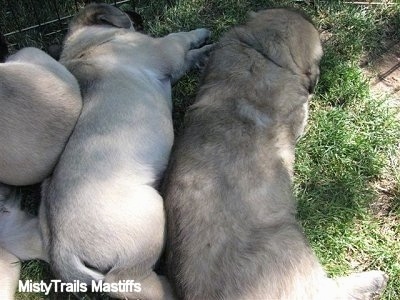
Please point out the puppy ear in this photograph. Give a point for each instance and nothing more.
(120, 20)
(99, 14)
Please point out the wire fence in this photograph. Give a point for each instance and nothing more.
(40, 23)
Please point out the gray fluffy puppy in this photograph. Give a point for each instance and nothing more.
(232, 231)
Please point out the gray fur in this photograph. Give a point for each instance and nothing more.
(101, 215)
(232, 231)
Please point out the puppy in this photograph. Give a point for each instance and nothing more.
(40, 103)
(232, 231)
(101, 215)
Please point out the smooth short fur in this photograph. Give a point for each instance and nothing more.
(232, 231)
(101, 215)
(40, 103)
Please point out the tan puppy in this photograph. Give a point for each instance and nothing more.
(101, 215)
(40, 103)
(232, 231)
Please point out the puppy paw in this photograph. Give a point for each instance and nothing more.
(200, 37)
(365, 285)
(198, 57)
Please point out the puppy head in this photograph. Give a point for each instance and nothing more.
(289, 39)
(100, 14)
(3, 48)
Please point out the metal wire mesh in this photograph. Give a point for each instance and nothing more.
(39, 23)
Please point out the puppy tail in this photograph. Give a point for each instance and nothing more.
(70, 267)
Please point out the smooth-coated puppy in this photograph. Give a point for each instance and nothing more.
(232, 231)
(101, 215)
(40, 102)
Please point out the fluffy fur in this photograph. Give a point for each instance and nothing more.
(101, 215)
(232, 231)
(40, 103)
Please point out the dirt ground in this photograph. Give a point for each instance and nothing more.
(384, 71)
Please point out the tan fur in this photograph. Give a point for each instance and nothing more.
(101, 215)
(40, 103)
(232, 231)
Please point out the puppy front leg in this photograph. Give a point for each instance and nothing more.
(185, 50)
(10, 268)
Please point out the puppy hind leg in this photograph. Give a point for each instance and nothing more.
(9, 274)
(150, 287)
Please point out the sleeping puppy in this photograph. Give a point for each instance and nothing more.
(40, 103)
(232, 231)
(101, 215)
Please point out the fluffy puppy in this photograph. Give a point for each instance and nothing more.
(101, 215)
(232, 231)
(40, 103)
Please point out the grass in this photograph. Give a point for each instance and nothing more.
(347, 173)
